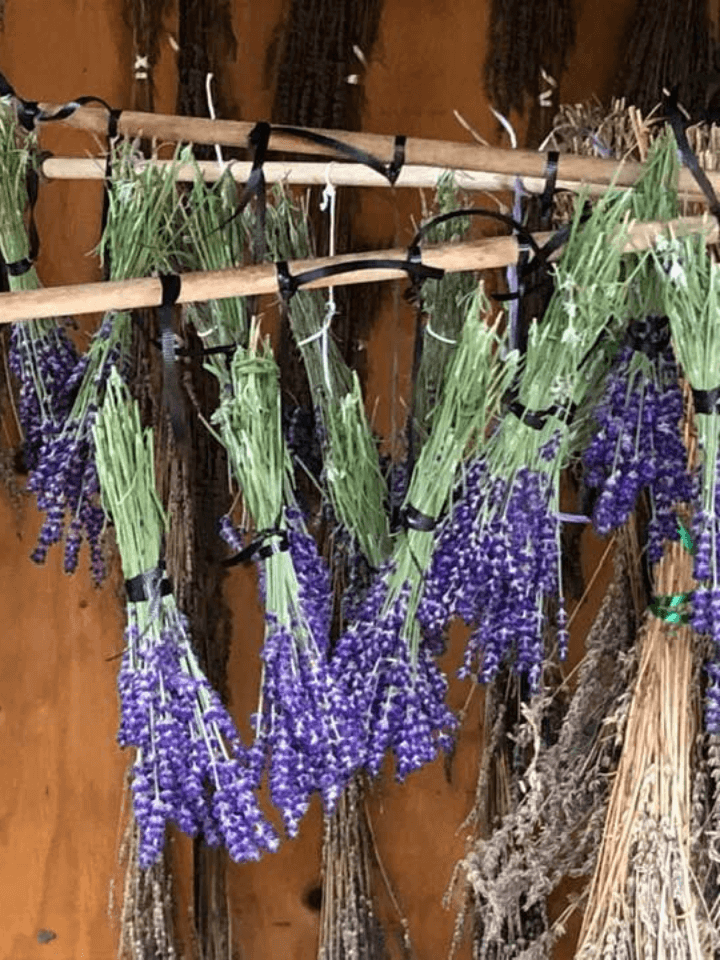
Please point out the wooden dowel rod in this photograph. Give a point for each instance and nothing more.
(340, 174)
(484, 254)
(418, 150)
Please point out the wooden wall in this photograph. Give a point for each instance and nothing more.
(61, 784)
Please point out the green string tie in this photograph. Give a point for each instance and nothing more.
(667, 608)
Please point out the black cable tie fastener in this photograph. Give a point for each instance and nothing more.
(706, 401)
(19, 267)
(413, 519)
(537, 419)
(149, 585)
(266, 544)
(679, 124)
(551, 172)
(288, 284)
(649, 335)
(172, 397)
(391, 170)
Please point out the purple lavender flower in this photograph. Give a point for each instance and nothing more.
(638, 445)
(400, 702)
(191, 766)
(496, 558)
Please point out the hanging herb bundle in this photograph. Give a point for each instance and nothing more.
(637, 442)
(691, 291)
(352, 474)
(138, 240)
(391, 675)
(43, 359)
(190, 765)
(444, 305)
(305, 726)
(498, 554)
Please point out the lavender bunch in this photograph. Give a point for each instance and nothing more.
(43, 359)
(305, 724)
(190, 766)
(637, 441)
(390, 673)
(691, 293)
(138, 239)
(352, 477)
(504, 528)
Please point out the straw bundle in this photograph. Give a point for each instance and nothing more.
(643, 899)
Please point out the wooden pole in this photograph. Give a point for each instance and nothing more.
(340, 174)
(418, 151)
(484, 254)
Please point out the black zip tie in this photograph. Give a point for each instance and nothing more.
(172, 397)
(19, 267)
(649, 335)
(546, 199)
(413, 519)
(398, 160)
(706, 401)
(537, 419)
(29, 112)
(148, 585)
(260, 549)
(522, 231)
(112, 133)
(679, 125)
(391, 171)
(288, 284)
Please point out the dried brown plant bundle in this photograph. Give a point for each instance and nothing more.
(146, 912)
(349, 926)
(545, 824)
(644, 899)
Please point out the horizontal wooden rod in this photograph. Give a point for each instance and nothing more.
(309, 173)
(339, 174)
(483, 254)
(418, 151)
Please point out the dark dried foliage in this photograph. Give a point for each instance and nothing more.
(543, 791)
(523, 39)
(667, 44)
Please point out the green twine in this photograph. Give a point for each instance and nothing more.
(666, 608)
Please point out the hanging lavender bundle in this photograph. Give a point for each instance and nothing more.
(497, 560)
(137, 239)
(351, 474)
(305, 725)
(43, 359)
(190, 765)
(691, 289)
(636, 442)
(390, 673)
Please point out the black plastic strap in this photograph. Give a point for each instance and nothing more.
(649, 335)
(172, 397)
(537, 419)
(29, 112)
(149, 585)
(679, 126)
(413, 519)
(391, 171)
(706, 401)
(260, 549)
(289, 284)
(546, 199)
(398, 160)
(20, 267)
(522, 231)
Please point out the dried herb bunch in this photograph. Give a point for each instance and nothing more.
(560, 785)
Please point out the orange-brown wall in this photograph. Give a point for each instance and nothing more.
(61, 783)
